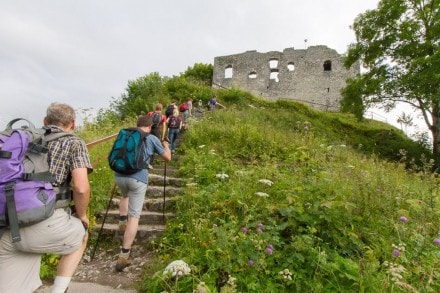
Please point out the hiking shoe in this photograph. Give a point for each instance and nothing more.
(122, 225)
(122, 263)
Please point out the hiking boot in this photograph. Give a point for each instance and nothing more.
(122, 263)
(122, 225)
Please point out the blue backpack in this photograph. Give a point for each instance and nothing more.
(26, 192)
(128, 154)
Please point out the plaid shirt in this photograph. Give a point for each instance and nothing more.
(66, 154)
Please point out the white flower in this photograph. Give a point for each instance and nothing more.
(266, 181)
(261, 194)
(222, 176)
(201, 146)
(177, 268)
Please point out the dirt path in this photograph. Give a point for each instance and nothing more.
(100, 274)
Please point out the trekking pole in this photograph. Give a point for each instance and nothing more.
(164, 184)
(103, 221)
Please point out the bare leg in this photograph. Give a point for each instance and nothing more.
(123, 206)
(69, 262)
(130, 232)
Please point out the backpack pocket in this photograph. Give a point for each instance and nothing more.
(34, 202)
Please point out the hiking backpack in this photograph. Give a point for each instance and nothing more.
(183, 107)
(128, 154)
(173, 122)
(26, 192)
(157, 118)
(169, 111)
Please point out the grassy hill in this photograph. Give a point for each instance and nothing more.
(282, 198)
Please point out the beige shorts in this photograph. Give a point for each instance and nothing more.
(20, 261)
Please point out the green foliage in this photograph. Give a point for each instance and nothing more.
(200, 73)
(281, 203)
(49, 264)
(141, 96)
(284, 198)
(180, 89)
(398, 45)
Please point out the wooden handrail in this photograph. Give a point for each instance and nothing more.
(96, 142)
(93, 143)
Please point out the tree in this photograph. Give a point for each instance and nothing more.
(398, 45)
(200, 72)
(141, 95)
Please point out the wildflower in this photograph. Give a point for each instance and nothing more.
(261, 194)
(244, 230)
(260, 225)
(177, 268)
(286, 274)
(403, 219)
(270, 246)
(396, 252)
(222, 176)
(269, 250)
(437, 241)
(266, 181)
(260, 231)
(251, 262)
(232, 281)
(201, 146)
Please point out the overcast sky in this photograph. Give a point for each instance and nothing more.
(84, 52)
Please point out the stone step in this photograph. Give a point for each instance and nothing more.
(158, 191)
(159, 169)
(145, 232)
(156, 179)
(147, 217)
(151, 204)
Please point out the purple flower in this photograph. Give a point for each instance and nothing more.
(251, 262)
(244, 230)
(269, 250)
(437, 241)
(260, 225)
(396, 252)
(403, 219)
(270, 246)
(260, 231)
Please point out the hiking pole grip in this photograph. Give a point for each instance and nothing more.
(103, 222)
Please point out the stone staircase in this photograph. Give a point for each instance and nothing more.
(156, 211)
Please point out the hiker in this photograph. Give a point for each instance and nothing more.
(170, 108)
(63, 233)
(174, 123)
(158, 128)
(133, 188)
(190, 106)
(212, 103)
(184, 110)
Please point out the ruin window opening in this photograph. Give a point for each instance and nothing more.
(273, 63)
(228, 71)
(252, 75)
(274, 75)
(327, 65)
(291, 66)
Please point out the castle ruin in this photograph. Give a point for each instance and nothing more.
(314, 76)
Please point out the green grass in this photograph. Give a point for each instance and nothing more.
(329, 221)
